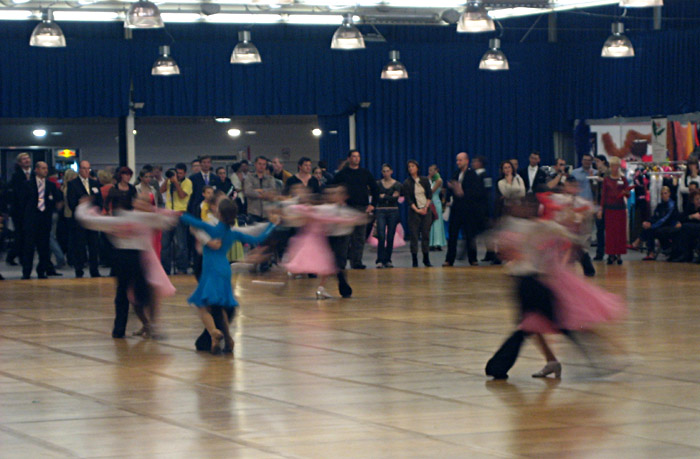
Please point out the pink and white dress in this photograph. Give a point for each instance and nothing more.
(308, 251)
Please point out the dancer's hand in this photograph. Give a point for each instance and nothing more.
(214, 244)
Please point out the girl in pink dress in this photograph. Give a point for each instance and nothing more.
(308, 251)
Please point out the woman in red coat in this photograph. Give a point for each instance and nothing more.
(614, 191)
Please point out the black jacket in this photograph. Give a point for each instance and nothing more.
(76, 190)
(408, 190)
(198, 184)
(29, 198)
(474, 193)
(540, 179)
(14, 191)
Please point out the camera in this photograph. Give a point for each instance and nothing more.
(170, 173)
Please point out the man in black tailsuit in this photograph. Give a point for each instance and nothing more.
(466, 211)
(38, 200)
(84, 185)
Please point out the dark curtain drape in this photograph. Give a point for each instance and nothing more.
(335, 140)
(446, 106)
(88, 78)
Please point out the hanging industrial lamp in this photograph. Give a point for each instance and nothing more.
(394, 70)
(494, 59)
(640, 3)
(47, 34)
(475, 19)
(347, 36)
(245, 52)
(165, 65)
(143, 15)
(617, 45)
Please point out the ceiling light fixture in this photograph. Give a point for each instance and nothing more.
(47, 34)
(39, 132)
(640, 3)
(234, 132)
(316, 132)
(475, 19)
(245, 52)
(394, 70)
(494, 59)
(617, 45)
(347, 37)
(143, 15)
(222, 120)
(165, 65)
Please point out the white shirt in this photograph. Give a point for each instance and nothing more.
(86, 184)
(532, 173)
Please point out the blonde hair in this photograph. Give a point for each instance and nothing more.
(615, 160)
(104, 177)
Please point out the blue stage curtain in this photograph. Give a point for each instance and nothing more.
(88, 78)
(334, 147)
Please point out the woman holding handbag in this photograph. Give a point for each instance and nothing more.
(418, 194)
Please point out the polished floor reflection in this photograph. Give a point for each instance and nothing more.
(396, 371)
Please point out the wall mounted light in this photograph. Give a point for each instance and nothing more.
(245, 52)
(617, 45)
(316, 132)
(47, 34)
(394, 70)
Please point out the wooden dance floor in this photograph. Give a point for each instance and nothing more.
(396, 371)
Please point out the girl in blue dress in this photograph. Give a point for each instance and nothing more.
(214, 289)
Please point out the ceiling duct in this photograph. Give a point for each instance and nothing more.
(398, 18)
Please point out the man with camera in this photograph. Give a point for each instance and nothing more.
(178, 189)
(558, 175)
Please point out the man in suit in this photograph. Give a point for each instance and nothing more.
(206, 177)
(468, 194)
(534, 177)
(23, 172)
(84, 185)
(38, 200)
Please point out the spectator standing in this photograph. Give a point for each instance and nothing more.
(467, 191)
(417, 191)
(38, 199)
(437, 229)
(360, 185)
(278, 171)
(226, 184)
(597, 186)
(258, 187)
(303, 177)
(205, 177)
(174, 241)
(582, 176)
(387, 215)
(557, 178)
(533, 176)
(614, 191)
(23, 172)
(84, 185)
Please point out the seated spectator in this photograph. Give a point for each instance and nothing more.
(664, 222)
(686, 241)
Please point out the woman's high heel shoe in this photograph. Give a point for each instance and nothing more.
(551, 367)
(322, 294)
(216, 342)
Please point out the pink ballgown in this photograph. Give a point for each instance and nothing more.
(308, 251)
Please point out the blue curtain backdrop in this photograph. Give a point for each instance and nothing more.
(446, 106)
